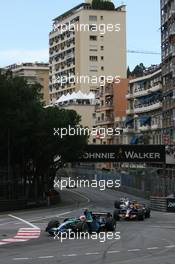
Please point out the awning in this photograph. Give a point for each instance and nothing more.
(144, 120)
(128, 121)
(134, 140)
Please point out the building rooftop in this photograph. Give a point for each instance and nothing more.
(83, 6)
(27, 65)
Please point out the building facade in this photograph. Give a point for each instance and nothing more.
(111, 110)
(168, 68)
(34, 73)
(84, 51)
(144, 119)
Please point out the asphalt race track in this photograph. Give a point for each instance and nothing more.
(145, 242)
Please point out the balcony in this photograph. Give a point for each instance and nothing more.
(140, 93)
(128, 130)
(172, 31)
(155, 88)
(109, 91)
(148, 108)
(100, 108)
(144, 128)
(105, 121)
(129, 111)
(155, 127)
(129, 96)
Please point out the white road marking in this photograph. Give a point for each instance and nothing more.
(24, 221)
(70, 255)
(26, 237)
(113, 252)
(11, 240)
(134, 250)
(3, 243)
(170, 246)
(20, 258)
(46, 257)
(93, 253)
(152, 248)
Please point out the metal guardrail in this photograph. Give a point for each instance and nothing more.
(158, 204)
(162, 204)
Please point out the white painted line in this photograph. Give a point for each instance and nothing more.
(24, 221)
(46, 257)
(113, 252)
(153, 248)
(134, 250)
(26, 237)
(27, 234)
(3, 243)
(70, 255)
(11, 240)
(20, 258)
(170, 246)
(93, 253)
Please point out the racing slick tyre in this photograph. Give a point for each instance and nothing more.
(116, 215)
(53, 223)
(141, 217)
(117, 204)
(81, 227)
(110, 226)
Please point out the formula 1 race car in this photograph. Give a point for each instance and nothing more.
(100, 222)
(128, 210)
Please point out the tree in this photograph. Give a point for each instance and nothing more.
(102, 5)
(29, 147)
(138, 70)
(128, 72)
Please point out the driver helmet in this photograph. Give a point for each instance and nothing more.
(83, 218)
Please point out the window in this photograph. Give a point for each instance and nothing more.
(93, 18)
(102, 47)
(101, 17)
(102, 58)
(102, 68)
(93, 50)
(93, 27)
(93, 58)
(93, 38)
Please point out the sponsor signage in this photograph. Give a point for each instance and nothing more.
(123, 153)
(171, 205)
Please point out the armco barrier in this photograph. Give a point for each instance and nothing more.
(162, 204)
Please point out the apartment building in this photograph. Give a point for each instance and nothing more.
(82, 45)
(144, 120)
(111, 110)
(168, 68)
(34, 73)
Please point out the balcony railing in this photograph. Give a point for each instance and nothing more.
(128, 130)
(107, 120)
(130, 111)
(148, 108)
(109, 91)
(104, 107)
(144, 128)
(129, 96)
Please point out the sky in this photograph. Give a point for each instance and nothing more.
(25, 25)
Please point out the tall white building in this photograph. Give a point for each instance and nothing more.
(86, 46)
